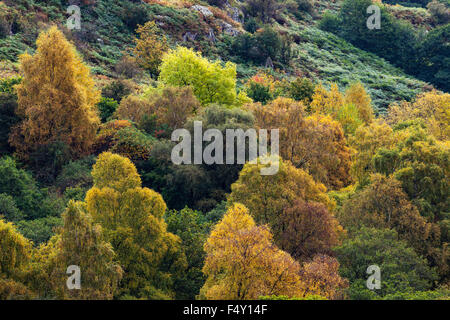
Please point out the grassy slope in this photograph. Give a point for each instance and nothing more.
(105, 36)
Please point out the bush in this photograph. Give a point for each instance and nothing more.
(107, 107)
(21, 186)
(8, 208)
(259, 92)
(39, 230)
(301, 89)
(8, 118)
(117, 90)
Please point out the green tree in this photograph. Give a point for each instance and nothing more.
(402, 269)
(210, 82)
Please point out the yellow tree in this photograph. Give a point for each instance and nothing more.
(326, 102)
(132, 218)
(357, 95)
(56, 97)
(15, 254)
(150, 47)
(316, 144)
(432, 107)
(367, 141)
(243, 263)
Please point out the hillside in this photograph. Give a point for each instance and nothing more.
(108, 31)
(224, 150)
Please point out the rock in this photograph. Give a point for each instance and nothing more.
(229, 29)
(203, 10)
(188, 36)
(237, 15)
(269, 63)
(211, 36)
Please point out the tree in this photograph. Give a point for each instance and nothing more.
(133, 108)
(106, 107)
(172, 106)
(267, 197)
(402, 269)
(383, 204)
(326, 102)
(81, 243)
(193, 229)
(56, 98)
(262, 9)
(21, 186)
(421, 164)
(433, 58)
(316, 144)
(150, 47)
(321, 278)
(210, 82)
(431, 107)
(8, 117)
(302, 89)
(16, 251)
(242, 263)
(357, 95)
(15, 255)
(366, 141)
(132, 219)
(308, 229)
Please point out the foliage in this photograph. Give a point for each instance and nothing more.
(150, 47)
(193, 229)
(316, 144)
(132, 219)
(21, 186)
(432, 107)
(43, 101)
(269, 197)
(107, 107)
(402, 269)
(210, 82)
(242, 263)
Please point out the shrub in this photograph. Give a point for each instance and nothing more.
(107, 107)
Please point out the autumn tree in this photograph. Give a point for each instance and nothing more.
(210, 82)
(366, 142)
(243, 263)
(15, 256)
(432, 107)
(383, 204)
(267, 197)
(78, 243)
(321, 277)
(56, 98)
(316, 143)
(132, 219)
(308, 229)
(357, 95)
(326, 101)
(171, 107)
(133, 108)
(150, 47)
